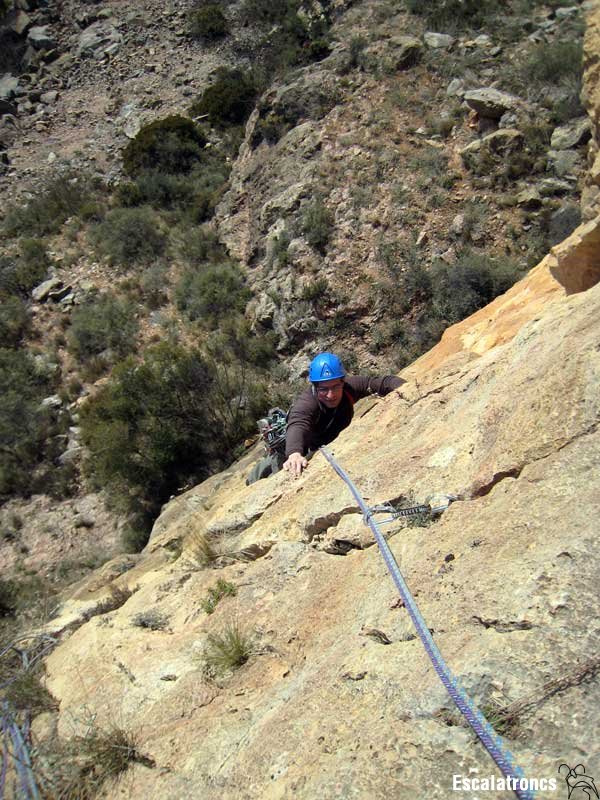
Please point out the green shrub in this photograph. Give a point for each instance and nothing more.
(355, 52)
(134, 538)
(554, 72)
(152, 620)
(23, 424)
(194, 196)
(199, 245)
(173, 145)
(9, 597)
(80, 768)
(15, 320)
(455, 15)
(228, 650)
(26, 693)
(158, 425)
(20, 276)
(316, 290)
(229, 100)
(129, 236)
(268, 11)
(33, 263)
(57, 200)
(9, 282)
(216, 593)
(553, 63)
(235, 339)
(208, 22)
(469, 284)
(317, 225)
(269, 128)
(158, 189)
(199, 550)
(212, 292)
(153, 286)
(102, 324)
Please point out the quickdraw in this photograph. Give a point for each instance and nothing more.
(434, 505)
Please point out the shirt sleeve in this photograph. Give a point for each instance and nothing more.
(363, 387)
(302, 420)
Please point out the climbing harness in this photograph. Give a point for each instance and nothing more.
(492, 742)
(272, 429)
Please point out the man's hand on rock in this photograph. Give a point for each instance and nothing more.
(295, 464)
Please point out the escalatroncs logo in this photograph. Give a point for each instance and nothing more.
(578, 783)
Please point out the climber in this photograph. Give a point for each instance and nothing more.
(320, 413)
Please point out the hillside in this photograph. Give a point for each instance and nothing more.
(357, 219)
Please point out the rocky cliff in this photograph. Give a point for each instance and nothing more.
(337, 698)
(507, 581)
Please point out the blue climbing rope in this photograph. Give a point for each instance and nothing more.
(13, 739)
(492, 742)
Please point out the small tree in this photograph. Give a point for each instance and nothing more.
(173, 144)
(208, 22)
(317, 225)
(14, 321)
(229, 100)
(23, 423)
(212, 293)
(129, 236)
(157, 425)
(105, 323)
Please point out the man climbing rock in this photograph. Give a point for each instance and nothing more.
(320, 413)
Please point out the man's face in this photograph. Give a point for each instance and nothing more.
(330, 393)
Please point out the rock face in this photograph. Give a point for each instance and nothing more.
(503, 412)
(590, 199)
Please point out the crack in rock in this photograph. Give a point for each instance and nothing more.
(322, 524)
(504, 627)
(240, 525)
(486, 488)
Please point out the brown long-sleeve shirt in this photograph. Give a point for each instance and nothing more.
(311, 424)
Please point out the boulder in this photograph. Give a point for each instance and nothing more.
(572, 134)
(7, 108)
(530, 199)
(9, 87)
(41, 293)
(438, 41)
(49, 98)
(40, 37)
(563, 162)
(53, 401)
(553, 186)
(456, 88)
(71, 455)
(405, 51)
(20, 23)
(98, 36)
(505, 140)
(492, 103)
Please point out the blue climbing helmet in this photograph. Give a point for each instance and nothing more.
(325, 367)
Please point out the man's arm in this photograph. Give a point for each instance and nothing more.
(295, 464)
(301, 423)
(363, 387)
(300, 429)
